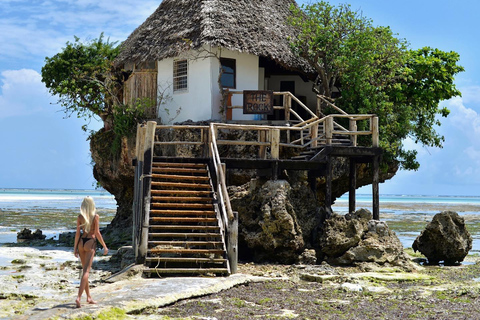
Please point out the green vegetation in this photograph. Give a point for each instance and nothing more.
(367, 69)
(82, 77)
(110, 314)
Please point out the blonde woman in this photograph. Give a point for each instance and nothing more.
(88, 231)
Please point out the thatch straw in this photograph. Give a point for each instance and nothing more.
(257, 27)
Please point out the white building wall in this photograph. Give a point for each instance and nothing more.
(191, 104)
(202, 99)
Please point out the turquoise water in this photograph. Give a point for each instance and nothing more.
(55, 211)
(29, 199)
(52, 211)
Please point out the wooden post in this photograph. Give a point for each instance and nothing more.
(328, 188)
(262, 137)
(329, 129)
(375, 189)
(229, 111)
(232, 246)
(275, 143)
(288, 105)
(147, 178)
(374, 129)
(314, 135)
(206, 143)
(318, 112)
(353, 128)
(352, 186)
(138, 189)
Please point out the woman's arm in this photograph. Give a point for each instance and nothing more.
(98, 235)
(77, 237)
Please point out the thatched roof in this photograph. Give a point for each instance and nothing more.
(254, 26)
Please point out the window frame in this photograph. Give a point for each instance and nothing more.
(234, 73)
(180, 75)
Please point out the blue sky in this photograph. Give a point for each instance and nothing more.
(41, 149)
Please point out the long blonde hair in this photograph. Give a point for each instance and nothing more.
(88, 211)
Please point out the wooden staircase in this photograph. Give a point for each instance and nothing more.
(184, 237)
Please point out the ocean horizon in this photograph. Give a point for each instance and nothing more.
(55, 211)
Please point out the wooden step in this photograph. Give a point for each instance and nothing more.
(175, 199)
(171, 177)
(179, 170)
(164, 213)
(186, 251)
(181, 185)
(184, 227)
(186, 244)
(182, 219)
(186, 270)
(183, 193)
(179, 165)
(184, 260)
(183, 235)
(182, 205)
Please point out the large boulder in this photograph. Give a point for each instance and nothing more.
(276, 220)
(356, 238)
(445, 238)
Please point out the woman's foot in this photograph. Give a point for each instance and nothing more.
(77, 303)
(91, 301)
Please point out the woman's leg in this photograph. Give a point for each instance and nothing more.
(87, 287)
(86, 253)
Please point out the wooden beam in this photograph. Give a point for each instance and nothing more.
(275, 143)
(262, 138)
(328, 129)
(232, 243)
(147, 178)
(375, 189)
(375, 135)
(328, 188)
(352, 186)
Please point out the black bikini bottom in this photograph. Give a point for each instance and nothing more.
(85, 240)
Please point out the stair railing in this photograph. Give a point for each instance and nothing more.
(142, 193)
(229, 218)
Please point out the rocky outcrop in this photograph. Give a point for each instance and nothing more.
(114, 171)
(445, 238)
(356, 238)
(276, 220)
(26, 234)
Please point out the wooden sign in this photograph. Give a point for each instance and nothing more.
(258, 102)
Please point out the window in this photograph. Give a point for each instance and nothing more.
(180, 75)
(229, 73)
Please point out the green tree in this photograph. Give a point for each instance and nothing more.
(82, 77)
(367, 69)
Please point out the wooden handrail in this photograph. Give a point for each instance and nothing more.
(221, 176)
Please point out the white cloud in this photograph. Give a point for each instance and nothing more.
(471, 94)
(465, 119)
(40, 28)
(22, 93)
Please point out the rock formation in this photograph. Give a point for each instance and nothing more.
(278, 219)
(445, 238)
(26, 234)
(356, 238)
